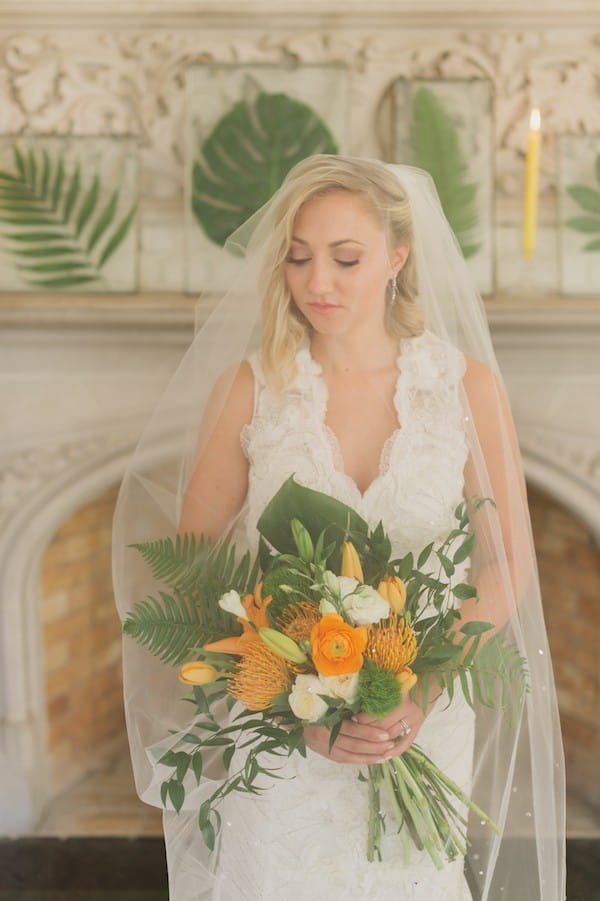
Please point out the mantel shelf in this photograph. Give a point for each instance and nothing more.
(176, 310)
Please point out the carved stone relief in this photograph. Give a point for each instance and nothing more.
(131, 82)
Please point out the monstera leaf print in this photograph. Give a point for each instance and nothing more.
(247, 155)
(61, 233)
(436, 147)
(589, 201)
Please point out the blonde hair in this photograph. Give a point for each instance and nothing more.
(283, 326)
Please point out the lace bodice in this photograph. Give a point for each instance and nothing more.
(420, 478)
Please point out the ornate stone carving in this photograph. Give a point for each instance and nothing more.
(128, 81)
(577, 455)
(24, 472)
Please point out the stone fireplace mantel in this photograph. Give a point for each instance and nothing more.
(78, 379)
(79, 375)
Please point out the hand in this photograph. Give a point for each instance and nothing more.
(364, 739)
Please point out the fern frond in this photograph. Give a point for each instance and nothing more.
(435, 147)
(169, 628)
(41, 194)
(198, 572)
(198, 565)
(170, 559)
(499, 676)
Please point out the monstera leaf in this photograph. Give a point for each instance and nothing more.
(247, 156)
(61, 234)
(589, 200)
(436, 148)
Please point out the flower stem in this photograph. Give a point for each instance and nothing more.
(374, 833)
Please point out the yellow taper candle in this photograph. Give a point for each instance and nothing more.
(532, 166)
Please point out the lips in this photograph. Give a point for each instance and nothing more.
(323, 308)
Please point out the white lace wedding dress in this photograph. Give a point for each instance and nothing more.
(306, 837)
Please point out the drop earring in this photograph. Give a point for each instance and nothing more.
(394, 290)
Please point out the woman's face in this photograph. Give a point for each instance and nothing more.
(339, 263)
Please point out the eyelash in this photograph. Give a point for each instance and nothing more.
(346, 264)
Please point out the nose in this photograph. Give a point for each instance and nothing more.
(319, 280)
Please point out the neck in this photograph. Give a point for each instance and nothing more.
(353, 353)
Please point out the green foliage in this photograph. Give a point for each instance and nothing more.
(274, 733)
(198, 572)
(61, 234)
(248, 154)
(589, 200)
(499, 676)
(435, 147)
(490, 672)
(317, 512)
(169, 627)
(378, 689)
(307, 528)
(285, 586)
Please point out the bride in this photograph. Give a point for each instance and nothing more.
(374, 381)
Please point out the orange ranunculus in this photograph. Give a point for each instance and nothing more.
(336, 646)
(198, 673)
(256, 611)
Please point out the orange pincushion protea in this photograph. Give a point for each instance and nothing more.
(391, 644)
(260, 676)
(298, 619)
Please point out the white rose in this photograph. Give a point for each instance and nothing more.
(304, 698)
(232, 603)
(344, 687)
(366, 606)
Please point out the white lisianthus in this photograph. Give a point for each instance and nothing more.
(347, 585)
(331, 582)
(304, 698)
(232, 603)
(327, 607)
(344, 687)
(366, 606)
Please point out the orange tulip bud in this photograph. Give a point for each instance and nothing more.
(198, 673)
(406, 678)
(393, 590)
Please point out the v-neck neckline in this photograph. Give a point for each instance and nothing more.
(331, 438)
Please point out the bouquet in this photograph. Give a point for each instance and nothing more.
(323, 624)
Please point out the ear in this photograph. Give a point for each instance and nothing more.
(399, 257)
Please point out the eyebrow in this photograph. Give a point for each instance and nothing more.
(333, 243)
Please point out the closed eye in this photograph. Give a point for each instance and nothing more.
(301, 261)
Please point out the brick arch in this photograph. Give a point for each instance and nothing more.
(81, 645)
(569, 569)
(23, 543)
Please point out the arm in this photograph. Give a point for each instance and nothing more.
(499, 579)
(219, 481)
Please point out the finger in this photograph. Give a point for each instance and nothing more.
(374, 750)
(342, 755)
(365, 732)
(401, 729)
(363, 718)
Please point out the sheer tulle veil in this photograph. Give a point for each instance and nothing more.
(518, 773)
